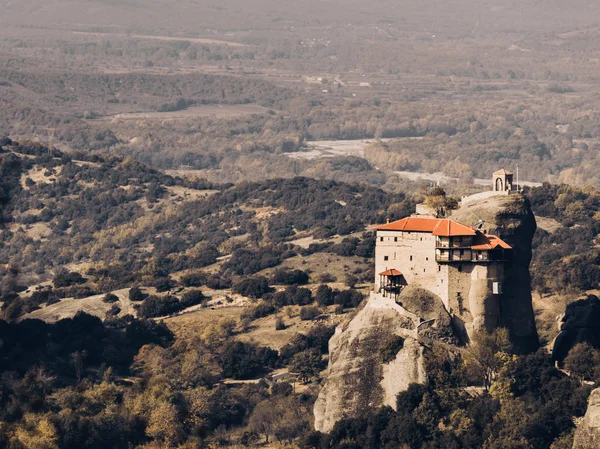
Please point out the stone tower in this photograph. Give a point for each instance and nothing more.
(502, 181)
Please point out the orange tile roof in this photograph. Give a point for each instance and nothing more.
(443, 227)
(392, 272)
(489, 242)
(411, 224)
(449, 228)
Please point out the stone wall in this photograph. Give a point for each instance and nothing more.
(413, 254)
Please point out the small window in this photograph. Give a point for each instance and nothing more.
(427, 258)
(410, 257)
(421, 238)
(423, 270)
(439, 268)
(385, 257)
(381, 239)
(394, 256)
(395, 239)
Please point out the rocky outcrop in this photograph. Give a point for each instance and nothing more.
(587, 435)
(510, 217)
(580, 323)
(435, 322)
(359, 377)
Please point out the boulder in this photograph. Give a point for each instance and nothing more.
(580, 323)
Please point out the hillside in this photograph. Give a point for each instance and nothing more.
(165, 296)
(121, 223)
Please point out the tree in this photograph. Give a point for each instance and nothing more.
(135, 294)
(263, 418)
(306, 364)
(487, 354)
(583, 361)
(351, 280)
(164, 425)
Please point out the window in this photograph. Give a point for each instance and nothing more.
(395, 239)
(394, 256)
(439, 268)
(410, 257)
(423, 270)
(427, 258)
(385, 257)
(381, 239)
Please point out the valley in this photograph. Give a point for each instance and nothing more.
(194, 202)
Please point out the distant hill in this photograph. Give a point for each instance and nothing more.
(196, 16)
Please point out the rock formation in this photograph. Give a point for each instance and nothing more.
(358, 379)
(587, 435)
(580, 323)
(510, 218)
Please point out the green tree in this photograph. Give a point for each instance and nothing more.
(306, 364)
(583, 361)
(487, 354)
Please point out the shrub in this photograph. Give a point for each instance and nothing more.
(155, 306)
(309, 313)
(324, 295)
(390, 348)
(351, 280)
(113, 311)
(217, 282)
(279, 324)
(262, 309)
(290, 277)
(245, 360)
(192, 298)
(109, 298)
(583, 361)
(163, 284)
(65, 278)
(348, 298)
(327, 277)
(135, 294)
(194, 279)
(254, 287)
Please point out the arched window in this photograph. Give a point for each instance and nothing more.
(499, 187)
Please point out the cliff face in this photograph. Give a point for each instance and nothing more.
(581, 323)
(510, 218)
(358, 378)
(587, 435)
